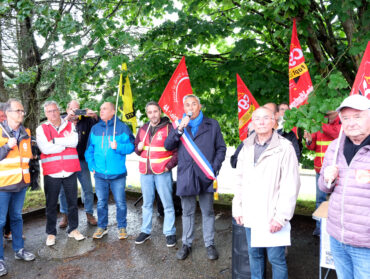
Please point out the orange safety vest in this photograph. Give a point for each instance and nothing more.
(67, 160)
(15, 166)
(154, 151)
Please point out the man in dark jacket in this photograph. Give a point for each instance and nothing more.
(83, 124)
(191, 181)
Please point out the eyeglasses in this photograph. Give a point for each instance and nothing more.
(265, 118)
(52, 111)
(20, 111)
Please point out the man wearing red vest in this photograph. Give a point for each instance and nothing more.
(319, 142)
(155, 167)
(15, 154)
(57, 140)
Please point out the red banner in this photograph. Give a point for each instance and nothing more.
(300, 85)
(362, 82)
(246, 106)
(178, 87)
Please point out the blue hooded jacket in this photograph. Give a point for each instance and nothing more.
(100, 157)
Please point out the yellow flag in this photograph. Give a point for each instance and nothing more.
(128, 113)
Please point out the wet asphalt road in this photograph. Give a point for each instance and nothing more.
(111, 258)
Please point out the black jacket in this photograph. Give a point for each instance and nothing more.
(190, 178)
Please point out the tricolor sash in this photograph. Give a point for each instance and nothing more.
(195, 153)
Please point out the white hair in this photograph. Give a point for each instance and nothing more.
(49, 103)
(190, 96)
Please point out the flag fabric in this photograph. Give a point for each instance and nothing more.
(362, 81)
(172, 105)
(246, 106)
(178, 87)
(128, 113)
(300, 85)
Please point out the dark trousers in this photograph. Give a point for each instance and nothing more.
(52, 188)
(7, 225)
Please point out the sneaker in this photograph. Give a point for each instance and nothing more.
(171, 240)
(91, 220)
(3, 269)
(212, 252)
(50, 241)
(122, 234)
(64, 221)
(76, 235)
(142, 238)
(24, 255)
(183, 253)
(99, 233)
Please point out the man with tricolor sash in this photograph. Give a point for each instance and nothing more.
(155, 166)
(15, 154)
(201, 151)
(319, 143)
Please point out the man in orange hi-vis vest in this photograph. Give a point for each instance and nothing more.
(155, 172)
(57, 139)
(15, 154)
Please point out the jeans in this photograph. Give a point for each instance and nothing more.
(52, 188)
(276, 256)
(117, 187)
(12, 202)
(188, 204)
(163, 183)
(87, 194)
(350, 262)
(320, 197)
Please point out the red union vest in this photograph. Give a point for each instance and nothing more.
(155, 151)
(15, 166)
(66, 160)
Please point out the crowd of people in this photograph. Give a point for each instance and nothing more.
(266, 186)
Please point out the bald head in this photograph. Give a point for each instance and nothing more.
(274, 108)
(107, 111)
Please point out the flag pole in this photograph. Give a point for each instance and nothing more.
(115, 113)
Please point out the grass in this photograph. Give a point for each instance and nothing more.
(34, 200)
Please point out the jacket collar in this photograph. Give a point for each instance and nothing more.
(22, 131)
(204, 126)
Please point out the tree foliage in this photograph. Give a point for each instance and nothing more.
(74, 48)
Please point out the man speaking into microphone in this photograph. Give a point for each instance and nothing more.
(206, 134)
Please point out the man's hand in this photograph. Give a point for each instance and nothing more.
(274, 226)
(239, 220)
(140, 146)
(113, 144)
(330, 173)
(307, 136)
(71, 115)
(184, 122)
(91, 113)
(12, 142)
(166, 169)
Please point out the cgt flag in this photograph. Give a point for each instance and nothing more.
(300, 85)
(178, 87)
(246, 106)
(362, 82)
(128, 113)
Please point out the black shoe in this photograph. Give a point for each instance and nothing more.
(183, 252)
(171, 240)
(212, 252)
(142, 238)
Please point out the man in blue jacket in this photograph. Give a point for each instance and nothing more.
(191, 181)
(106, 158)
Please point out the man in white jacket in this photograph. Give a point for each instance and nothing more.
(266, 192)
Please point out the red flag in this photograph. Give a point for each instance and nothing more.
(300, 85)
(178, 87)
(246, 106)
(362, 82)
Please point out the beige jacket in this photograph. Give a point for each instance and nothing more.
(269, 188)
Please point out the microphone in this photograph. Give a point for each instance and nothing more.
(189, 114)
